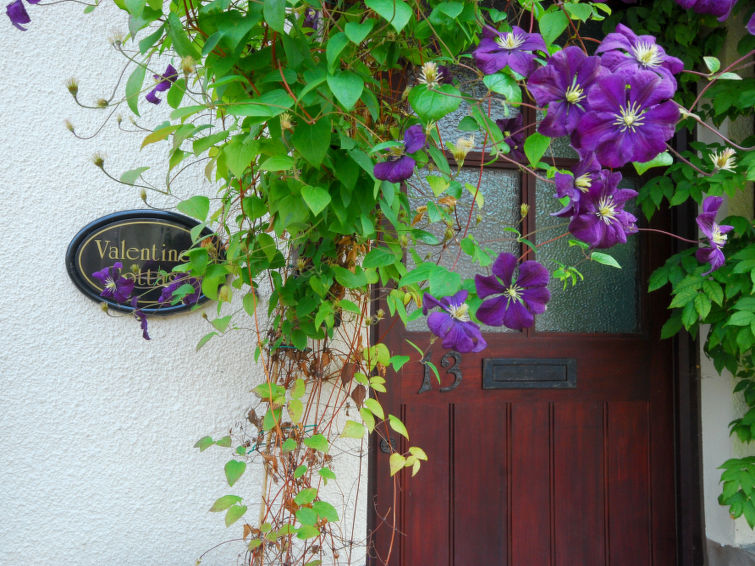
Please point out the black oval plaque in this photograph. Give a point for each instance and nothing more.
(146, 242)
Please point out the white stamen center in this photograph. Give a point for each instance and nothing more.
(583, 182)
(606, 209)
(509, 40)
(717, 238)
(460, 312)
(110, 284)
(629, 117)
(574, 94)
(513, 293)
(647, 54)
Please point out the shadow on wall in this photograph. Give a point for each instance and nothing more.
(719, 555)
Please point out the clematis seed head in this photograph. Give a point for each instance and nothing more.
(143, 195)
(98, 159)
(69, 126)
(73, 86)
(188, 65)
(524, 210)
(102, 103)
(116, 38)
(286, 123)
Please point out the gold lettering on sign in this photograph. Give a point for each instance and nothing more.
(123, 252)
(100, 247)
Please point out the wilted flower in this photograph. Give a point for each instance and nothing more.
(399, 166)
(724, 160)
(141, 317)
(452, 323)
(17, 14)
(115, 286)
(165, 81)
(286, 123)
(514, 48)
(562, 85)
(600, 218)
(462, 147)
(624, 50)
(630, 118)
(516, 303)
(715, 233)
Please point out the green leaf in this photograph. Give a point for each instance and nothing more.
(274, 12)
(288, 445)
(130, 177)
(334, 48)
(605, 259)
(347, 87)
(375, 408)
(396, 12)
(712, 63)
(313, 141)
(234, 514)
(398, 426)
(225, 442)
(181, 42)
(224, 503)
(233, 471)
(277, 163)
(272, 417)
(379, 257)
(357, 32)
(535, 147)
(729, 76)
(305, 496)
(204, 443)
(552, 25)
(268, 105)
(306, 516)
(300, 471)
(196, 207)
(353, 429)
(432, 105)
(307, 532)
(317, 198)
(317, 442)
(326, 511)
(326, 474)
(396, 463)
(661, 160)
(505, 85)
(134, 88)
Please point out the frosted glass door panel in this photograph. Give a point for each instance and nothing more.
(607, 301)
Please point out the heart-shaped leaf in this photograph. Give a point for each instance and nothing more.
(357, 32)
(347, 87)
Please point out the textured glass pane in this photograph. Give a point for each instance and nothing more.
(560, 147)
(607, 300)
(501, 189)
(471, 85)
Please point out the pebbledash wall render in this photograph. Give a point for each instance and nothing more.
(98, 424)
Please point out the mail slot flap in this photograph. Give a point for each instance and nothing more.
(529, 373)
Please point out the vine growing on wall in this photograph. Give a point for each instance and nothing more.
(319, 124)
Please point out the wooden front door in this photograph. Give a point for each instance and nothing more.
(552, 447)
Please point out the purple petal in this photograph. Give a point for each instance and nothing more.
(440, 323)
(492, 311)
(395, 171)
(487, 285)
(536, 298)
(751, 25)
(17, 14)
(517, 316)
(712, 204)
(414, 139)
(503, 267)
(152, 97)
(532, 274)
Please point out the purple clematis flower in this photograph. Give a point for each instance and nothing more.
(629, 118)
(513, 135)
(115, 286)
(165, 81)
(399, 166)
(452, 323)
(513, 48)
(578, 183)
(601, 220)
(18, 14)
(563, 84)
(624, 50)
(310, 20)
(141, 317)
(751, 25)
(516, 303)
(190, 298)
(718, 8)
(715, 233)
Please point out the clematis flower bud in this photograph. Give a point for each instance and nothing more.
(188, 65)
(98, 159)
(73, 86)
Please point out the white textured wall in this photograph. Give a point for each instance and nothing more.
(97, 425)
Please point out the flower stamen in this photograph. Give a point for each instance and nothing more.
(629, 117)
(575, 93)
(647, 54)
(509, 40)
(606, 209)
(459, 312)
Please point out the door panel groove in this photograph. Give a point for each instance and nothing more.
(451, 486)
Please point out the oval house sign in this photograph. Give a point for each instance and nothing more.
(148, 243)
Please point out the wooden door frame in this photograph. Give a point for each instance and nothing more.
(690, 527)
